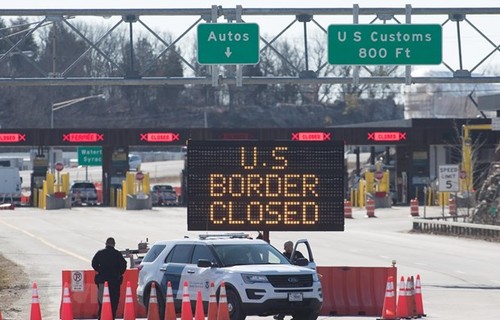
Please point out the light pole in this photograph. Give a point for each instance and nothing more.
(61, 105)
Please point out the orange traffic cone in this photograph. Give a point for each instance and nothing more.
(402, 307)
(36, 314)
(66, 311)
(419, 301)
(169, 305)
(153, 311)
(389, 307)
(410, 295)
(414, 207)
(370, 208)
(186, 310)
(222, 311)
(347, 209)
(212, 303)
(106, 313)
(129, 310)
(199, 313)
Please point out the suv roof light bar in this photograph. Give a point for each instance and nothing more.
(236, 235)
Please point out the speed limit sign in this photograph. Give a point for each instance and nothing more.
(449, 178)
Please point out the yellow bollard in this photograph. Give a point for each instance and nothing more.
(362, 193)
(65, 182)
(119, 198)
(44, 194)
(125, 192)
(112, 197)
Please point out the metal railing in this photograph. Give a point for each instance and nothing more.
(441, 225)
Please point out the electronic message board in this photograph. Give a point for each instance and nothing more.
(265, 185)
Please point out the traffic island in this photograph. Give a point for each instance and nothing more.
(382, 199)
(139, 202)
(57, 200)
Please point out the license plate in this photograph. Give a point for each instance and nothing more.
(142, 196)
(295, 296)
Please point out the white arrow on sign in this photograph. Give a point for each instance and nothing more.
(228, 52)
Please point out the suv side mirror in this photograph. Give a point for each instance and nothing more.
(204, 263)
(303, 262)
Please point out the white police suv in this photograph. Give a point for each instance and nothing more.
(259, 280)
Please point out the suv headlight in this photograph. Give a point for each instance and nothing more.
(315, 277)
(254, 278)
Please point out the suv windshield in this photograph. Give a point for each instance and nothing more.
(83, 185)
(163, 188)
(233, 254)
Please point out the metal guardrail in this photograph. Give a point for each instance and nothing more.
(436, 225)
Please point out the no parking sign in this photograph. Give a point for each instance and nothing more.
(77, 281)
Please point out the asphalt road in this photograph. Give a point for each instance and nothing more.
(459, 276)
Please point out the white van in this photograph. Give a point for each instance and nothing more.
(134, 162)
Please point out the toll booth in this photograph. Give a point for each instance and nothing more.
(114, 170)
(40, 168)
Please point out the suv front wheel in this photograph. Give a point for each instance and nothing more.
(234, 305)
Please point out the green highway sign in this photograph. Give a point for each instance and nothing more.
(228, 43)
(375, 44)
(90, 156)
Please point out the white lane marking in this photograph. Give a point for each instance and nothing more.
(42, 240)
(421, 264)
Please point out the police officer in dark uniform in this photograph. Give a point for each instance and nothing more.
(110, 266)
(288, 247)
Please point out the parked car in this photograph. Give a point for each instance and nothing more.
(259, 279)
(83, 193)
(134, 162)
(163, 195)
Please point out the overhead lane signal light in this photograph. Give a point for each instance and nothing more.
(312, 136)
(387, 136)
(11, 137)
(83, 137)
(159, 136)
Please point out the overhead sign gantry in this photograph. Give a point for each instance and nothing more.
(382, 40)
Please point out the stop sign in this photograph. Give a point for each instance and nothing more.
(379, 175)
(139, 175)
(463, 174)
(59, 166)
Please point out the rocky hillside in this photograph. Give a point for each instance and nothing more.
(488, 199)
(278, 116)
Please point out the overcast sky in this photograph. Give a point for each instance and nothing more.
(8, 4)
(475, 48)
